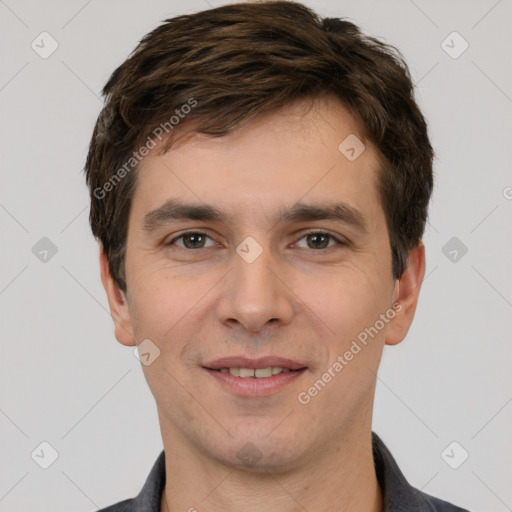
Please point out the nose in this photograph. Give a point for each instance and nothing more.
(256, 294)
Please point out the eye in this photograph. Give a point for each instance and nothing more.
(319, 240)
(192, 240)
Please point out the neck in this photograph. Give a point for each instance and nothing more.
(341, 478)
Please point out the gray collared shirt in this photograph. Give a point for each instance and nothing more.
(397, 494)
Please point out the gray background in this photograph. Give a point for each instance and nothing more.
(65, 380)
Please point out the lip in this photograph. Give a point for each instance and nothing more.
(252, 386)
(245, 362)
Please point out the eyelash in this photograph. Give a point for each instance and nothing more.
(313, 232)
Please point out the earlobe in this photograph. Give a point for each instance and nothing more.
(118, 304)
(406, 295)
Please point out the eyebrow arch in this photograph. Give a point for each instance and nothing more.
(336, 211)
(175, 210)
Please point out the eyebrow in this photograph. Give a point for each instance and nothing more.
(175, 210)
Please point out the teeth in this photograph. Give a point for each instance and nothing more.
(263, 372)
(258, 373)
(246, 372)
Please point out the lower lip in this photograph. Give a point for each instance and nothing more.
(252, 386)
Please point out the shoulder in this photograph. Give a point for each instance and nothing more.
(433, 504)
(122, 506)
(398, 495)
(148, 499)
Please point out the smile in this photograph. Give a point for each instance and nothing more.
(254, 382)
(258, 373)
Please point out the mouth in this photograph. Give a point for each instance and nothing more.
(254, 377)
(255, 373)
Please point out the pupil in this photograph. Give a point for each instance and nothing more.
(315, 238)
(192, 239)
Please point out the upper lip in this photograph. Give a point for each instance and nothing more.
(262, 362)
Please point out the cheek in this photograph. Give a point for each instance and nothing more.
(349, 303)
(158, 303)
(346, 301)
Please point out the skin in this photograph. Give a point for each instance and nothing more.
(295, 300)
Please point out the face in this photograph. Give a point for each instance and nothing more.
(258, 266)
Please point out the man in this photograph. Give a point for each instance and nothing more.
(259, 183)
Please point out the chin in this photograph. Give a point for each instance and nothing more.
(261, 453)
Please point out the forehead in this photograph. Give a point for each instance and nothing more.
(298, 153)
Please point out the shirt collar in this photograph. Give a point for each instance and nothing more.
(397, 494)
(149, 498)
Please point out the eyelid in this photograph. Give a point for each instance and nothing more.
(321, 231)
(340, 240)
(188, 232)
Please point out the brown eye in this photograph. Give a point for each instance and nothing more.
(319, 240)
(192, 240)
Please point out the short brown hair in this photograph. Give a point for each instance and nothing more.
(234, 62)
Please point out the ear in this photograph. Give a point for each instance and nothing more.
(118, 305)
(406, 296)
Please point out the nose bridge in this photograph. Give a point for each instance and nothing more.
(254, 295)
